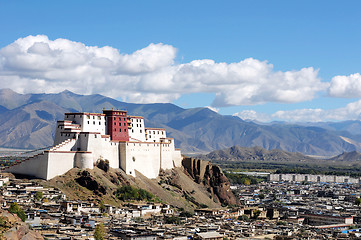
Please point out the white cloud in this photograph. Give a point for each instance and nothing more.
(253, 115)
(346, 86)
(37, 64)
(351, 111)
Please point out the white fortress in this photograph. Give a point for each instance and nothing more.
(84, 138)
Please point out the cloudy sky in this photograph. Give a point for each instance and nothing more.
(262, 60)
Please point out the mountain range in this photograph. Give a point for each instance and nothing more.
(250, 154)
(29, 120)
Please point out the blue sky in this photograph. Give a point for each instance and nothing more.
(280, 37)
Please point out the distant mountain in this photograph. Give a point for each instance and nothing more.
(249, 154)
(28, 121)
(237, 153)
(353, 156)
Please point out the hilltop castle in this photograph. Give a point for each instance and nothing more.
(82, 139)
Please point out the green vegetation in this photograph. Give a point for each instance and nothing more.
(102, 207)
(127, 192)
(172, 220)
(321, 167)
(16, 209)
(243, 179)
(99, 232)
(186, 214)
(358, 201)
(243, 218)
(38, 196)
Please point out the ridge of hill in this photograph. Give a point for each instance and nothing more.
(353, 156)
(29, 120)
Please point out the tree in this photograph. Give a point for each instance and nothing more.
(99, 232)
(102, 207)
(358, 201)
(38, 196)
(256, 214)
(243, 218)
(16, 209)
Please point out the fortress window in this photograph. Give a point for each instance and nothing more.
(120, 130)
(99, 123)
(115, 129)
(93, 117)
(140, 131)
(120, 124)
(115, 123)
(88, 122)
(132, 130)
(98, 117)
(93, 122)
(105, 123)
(125, 124)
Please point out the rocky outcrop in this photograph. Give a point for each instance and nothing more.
(89, 182)
(212, 177)
(11, 227)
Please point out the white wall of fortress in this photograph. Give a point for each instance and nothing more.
(47, 165)
(312, 178)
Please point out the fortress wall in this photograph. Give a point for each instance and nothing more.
(84, 160)
(177, 158)
(122, 155)
(144, 157)
(59, 163)
(37, 167)
(166, 156)
(101, 148)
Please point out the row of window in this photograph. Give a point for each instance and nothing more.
(137, 120)
(120, 124)
(120, 130)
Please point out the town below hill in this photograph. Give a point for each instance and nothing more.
(285, 209)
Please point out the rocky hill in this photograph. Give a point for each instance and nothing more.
(28, 121)
(12, 228)
(175, 187)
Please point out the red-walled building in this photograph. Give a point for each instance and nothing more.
(117, 125)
